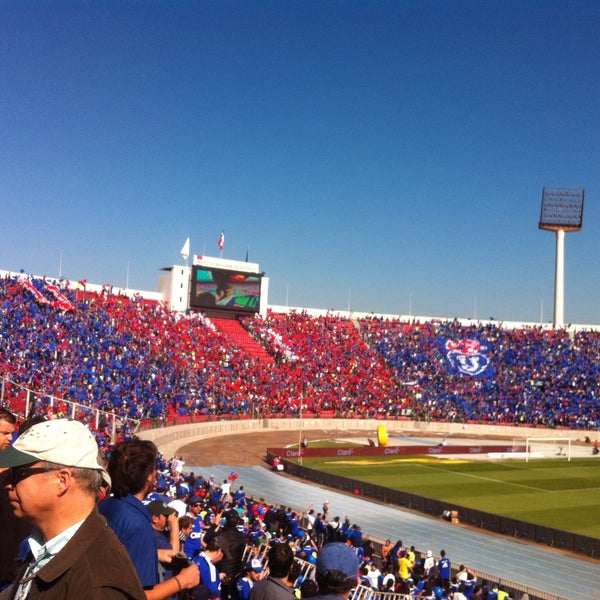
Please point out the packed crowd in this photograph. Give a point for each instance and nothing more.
(136, 359)
(176, 534)
(533, 376)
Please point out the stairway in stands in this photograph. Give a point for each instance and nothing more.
(233, 329)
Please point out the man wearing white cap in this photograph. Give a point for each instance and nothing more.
(54, 481)
(254, 572)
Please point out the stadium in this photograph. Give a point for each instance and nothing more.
(206, 363)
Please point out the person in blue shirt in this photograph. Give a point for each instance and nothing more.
(209, 574)
(444, 569)
(132, 468)
(165, 525)
(253, 572)
(193, 544)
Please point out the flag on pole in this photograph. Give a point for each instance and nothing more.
(222, 241)
(185, 250)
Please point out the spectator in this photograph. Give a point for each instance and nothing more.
(444, 569)
(386, 548)
(132, 468)
(279, 584)
(253, 573)
(374, 575)
(193, 544)
(336, 571)
(165, 524)
(54, 483)
(8, 424)
(13, 530)
(210, 577)
(186, 525)
(429, 565)
(232, 538)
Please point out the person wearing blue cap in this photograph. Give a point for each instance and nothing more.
(336, 571)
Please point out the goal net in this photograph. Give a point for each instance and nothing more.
(548, 447)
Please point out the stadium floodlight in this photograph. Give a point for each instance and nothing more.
(562, 210)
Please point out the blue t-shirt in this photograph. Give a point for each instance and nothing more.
(193, 545)
(244, 587)
(209, 575)
(444, 568)
(131, 521)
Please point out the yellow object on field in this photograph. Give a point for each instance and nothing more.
(382, 435)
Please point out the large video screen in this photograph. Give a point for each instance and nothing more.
(223, 289)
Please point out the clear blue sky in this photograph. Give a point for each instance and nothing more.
(387, 156)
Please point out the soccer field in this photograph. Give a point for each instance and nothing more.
(555, 493)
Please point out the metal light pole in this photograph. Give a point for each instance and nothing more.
(562, 210)
(300, 428)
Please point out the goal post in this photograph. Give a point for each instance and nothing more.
(548, 447)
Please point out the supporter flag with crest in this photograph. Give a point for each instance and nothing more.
(467, 357)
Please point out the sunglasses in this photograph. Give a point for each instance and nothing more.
(18, 474)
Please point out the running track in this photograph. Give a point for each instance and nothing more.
(534, 566)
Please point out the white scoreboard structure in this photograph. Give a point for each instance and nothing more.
(215, 286)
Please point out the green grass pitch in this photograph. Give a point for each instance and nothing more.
(551, 492)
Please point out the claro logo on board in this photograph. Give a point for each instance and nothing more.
(348, 452)
(475, 449)
(436, 450)
(391, 451)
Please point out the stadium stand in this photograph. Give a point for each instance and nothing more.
(137, 359)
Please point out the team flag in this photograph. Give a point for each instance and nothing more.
(222, 241)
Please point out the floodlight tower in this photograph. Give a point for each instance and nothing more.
(562, 210)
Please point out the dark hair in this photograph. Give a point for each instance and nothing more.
(213, 545)
(281, 558)
(308, 588)
(6, 415)
(185, 522)
(334, 582)
(130, 464)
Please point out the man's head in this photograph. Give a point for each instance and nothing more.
(61, 442)
(214, 550)
(8, 424)
(132, 467)
(336, 569)
(195, 505)
(185, 525)
(254, 569)
(281, 559)
(160, 513)
(54, 474)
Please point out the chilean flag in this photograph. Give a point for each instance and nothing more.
(222, 241)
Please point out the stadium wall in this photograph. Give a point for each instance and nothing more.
(170, 439)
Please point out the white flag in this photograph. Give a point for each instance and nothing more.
(185, 251)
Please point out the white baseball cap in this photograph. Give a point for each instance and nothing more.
(61, 441)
